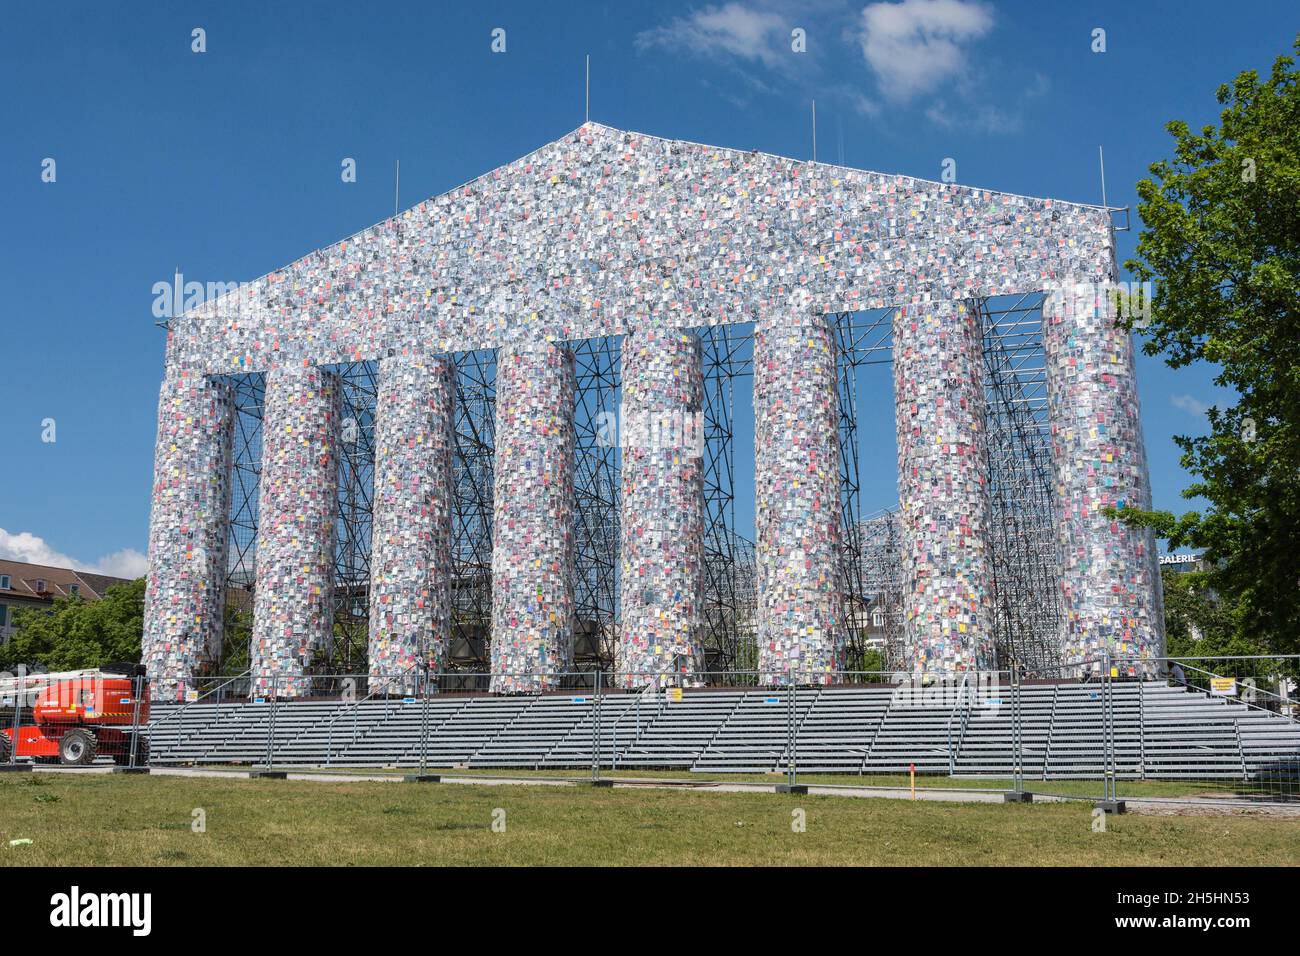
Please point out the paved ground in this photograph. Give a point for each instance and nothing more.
(1198, 806)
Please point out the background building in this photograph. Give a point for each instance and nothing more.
(37, 585)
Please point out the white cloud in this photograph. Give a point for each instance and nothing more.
(863, 104)
(25, 546)
(972, 112)
(127, 563)
(731, 30)
(917, 54)
(1189, 404)
(915, 46)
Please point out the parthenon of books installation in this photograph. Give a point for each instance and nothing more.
(611, 233)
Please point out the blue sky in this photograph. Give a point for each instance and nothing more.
(226, 163)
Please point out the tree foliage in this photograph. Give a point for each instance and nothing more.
(76, 634)
(1221, 245)
(237, 640)
(1198, 622)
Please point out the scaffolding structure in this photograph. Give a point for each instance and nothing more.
(471, 530)
(1021, 502)
(880, 567)
(1022, 498)
(1022, 489)
(729, 562)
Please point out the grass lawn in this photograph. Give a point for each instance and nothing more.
(124, 820)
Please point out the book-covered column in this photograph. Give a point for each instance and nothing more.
(410, 556)
(943, 488)
(662, 437)
(188, 531)
(1110, 587)
(797, 498)
(532, 518)
(293, 614)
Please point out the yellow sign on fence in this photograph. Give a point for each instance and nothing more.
(1223, 686)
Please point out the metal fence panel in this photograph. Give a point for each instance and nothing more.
(1210, 730)
(860, 728)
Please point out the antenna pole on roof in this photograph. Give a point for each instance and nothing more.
(397, 189)
(587, 112)
(178, 300)
(814, 104)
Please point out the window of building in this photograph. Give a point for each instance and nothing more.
(74, 589)
(4, 615)
(4, 582)
(39, 585)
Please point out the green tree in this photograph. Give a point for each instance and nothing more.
(1221, 245)
(1204, 629)
(873, 661)
(76, 634)
(1198, 622)
(237, 636)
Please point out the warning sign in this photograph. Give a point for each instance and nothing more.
(1223, 686)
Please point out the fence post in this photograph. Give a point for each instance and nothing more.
(137, 689)
(1017, 733)
(1107, 730)
(423, 677)
(952, 756)
(354, 701)
(1142, 727)
(791, 770)
(181, 734)
(595, 729)
(18, 710)
(1105, 733)
(270, 736)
